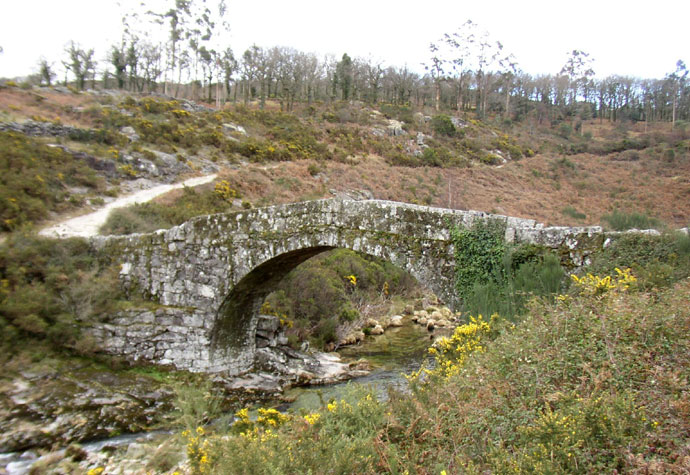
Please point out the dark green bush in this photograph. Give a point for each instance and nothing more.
(479, 253)
(436, 157)
(442, 125)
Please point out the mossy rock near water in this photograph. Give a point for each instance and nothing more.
(58, 408)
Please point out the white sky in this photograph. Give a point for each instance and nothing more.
(632, 37)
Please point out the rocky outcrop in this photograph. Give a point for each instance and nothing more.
(395, 128)
(43, 409)
(436, 317)
(39, 128)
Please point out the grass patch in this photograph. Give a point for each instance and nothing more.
(150, 216)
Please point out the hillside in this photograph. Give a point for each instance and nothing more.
(268, 156)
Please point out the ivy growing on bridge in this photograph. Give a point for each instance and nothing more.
(493, 276)
(479, 253)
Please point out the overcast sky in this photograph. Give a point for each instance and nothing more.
(643, 39)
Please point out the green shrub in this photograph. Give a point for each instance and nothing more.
(565, 130)
(313, 169)
(49, 289)
(442, 125)
(436, 157)
(349, 314)
(657, 261)
(325, 332)
(573, 213)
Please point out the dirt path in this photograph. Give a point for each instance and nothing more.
(88, 224)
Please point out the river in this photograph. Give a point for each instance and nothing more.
(399, 351)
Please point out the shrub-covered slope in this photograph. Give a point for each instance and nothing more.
(596, 383)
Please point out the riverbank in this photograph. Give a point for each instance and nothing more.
(122, 409)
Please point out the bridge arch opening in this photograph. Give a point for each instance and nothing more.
(235, 332)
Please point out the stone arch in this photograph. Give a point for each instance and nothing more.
(234, 330)
(236, 320)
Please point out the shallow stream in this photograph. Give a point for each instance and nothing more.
(399, 351)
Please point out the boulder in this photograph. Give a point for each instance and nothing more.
(377, 330)
(458, 123)
(395, 128)
(396, 321)
(230, 127)
(347, 340)
(130, 133)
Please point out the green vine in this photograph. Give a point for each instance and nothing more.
(479, 253)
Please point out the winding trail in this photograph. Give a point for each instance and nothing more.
(89, 224)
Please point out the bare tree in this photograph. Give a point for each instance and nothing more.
(461, 42)
(677, 78)
(435, 69)
(81, 63)
(45, 72)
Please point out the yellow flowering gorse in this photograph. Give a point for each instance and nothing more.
(452, 353)
(594, 285)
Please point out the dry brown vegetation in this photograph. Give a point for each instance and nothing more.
(46, 104)
(539, 187)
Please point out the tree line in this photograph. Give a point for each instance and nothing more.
(466, 70)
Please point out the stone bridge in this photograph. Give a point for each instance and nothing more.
(205, 280)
